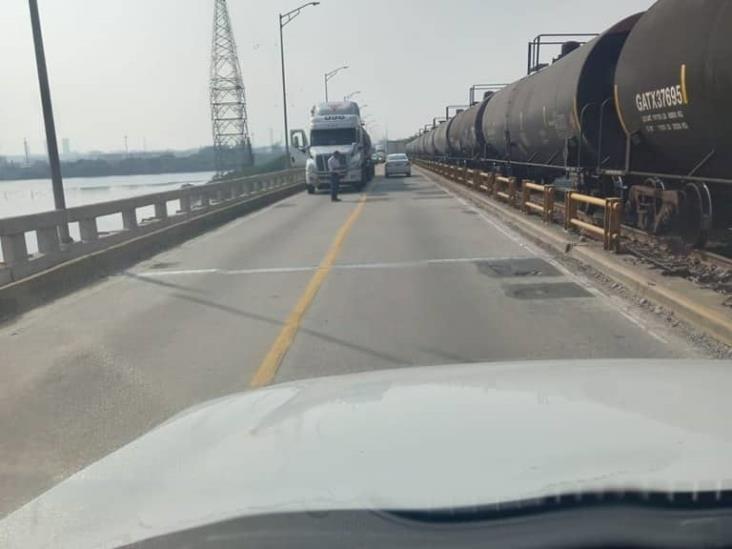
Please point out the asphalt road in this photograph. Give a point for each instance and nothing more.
(404, 275)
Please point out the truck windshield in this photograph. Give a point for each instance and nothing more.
(344, 136)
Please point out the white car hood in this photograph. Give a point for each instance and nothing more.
(414, 438)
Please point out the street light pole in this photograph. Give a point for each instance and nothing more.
(284, 96)
(54, 162)
(286, 18)
(329, 75)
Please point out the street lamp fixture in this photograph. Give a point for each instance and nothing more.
(331, 74)
(286, 19)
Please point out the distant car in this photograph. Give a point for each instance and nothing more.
(397, 164)
(378, 157)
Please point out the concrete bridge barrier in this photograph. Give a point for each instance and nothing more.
(27, 280)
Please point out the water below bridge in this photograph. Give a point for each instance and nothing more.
(29, 196)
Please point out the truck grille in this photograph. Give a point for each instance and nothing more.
(321, 161)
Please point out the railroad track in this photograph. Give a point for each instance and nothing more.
(670, 254)
(707, 269)
(704, 268)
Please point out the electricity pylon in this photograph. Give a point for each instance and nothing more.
(232, 143)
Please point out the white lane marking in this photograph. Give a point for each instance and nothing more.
(342, 266)
(422, 262)
(188, 272)
(578, 279)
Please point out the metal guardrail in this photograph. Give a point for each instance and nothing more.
(193, 201)
(609, 232)
(546, 207)
(505, 189)
(508, 190)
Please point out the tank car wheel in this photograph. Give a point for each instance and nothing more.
(658, 185)
(696, 212)
(647, 208)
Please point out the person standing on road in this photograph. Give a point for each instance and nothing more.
(335, 165)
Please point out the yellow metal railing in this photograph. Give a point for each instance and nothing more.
(609, 231)
(546, 207)
(505, 189)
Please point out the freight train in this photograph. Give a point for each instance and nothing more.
(642, 112)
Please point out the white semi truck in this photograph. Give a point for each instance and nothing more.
(338, 127)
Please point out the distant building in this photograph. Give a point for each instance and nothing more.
(66, 146)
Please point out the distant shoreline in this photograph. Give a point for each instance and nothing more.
(115, 166)
(101, 176)
(25, 177)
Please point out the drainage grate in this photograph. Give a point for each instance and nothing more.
(518, 267)
(557, 290)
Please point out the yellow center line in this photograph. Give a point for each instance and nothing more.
(267, 370)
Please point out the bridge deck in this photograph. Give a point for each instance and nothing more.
(410, 275)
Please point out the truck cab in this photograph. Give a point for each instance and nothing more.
(338, 127)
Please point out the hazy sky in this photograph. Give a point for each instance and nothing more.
(140, 67)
